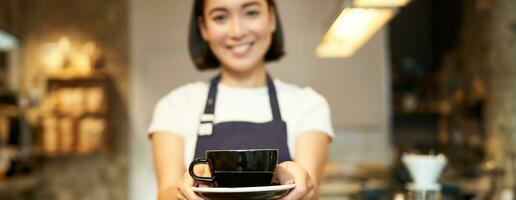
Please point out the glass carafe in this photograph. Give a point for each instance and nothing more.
(424, 195)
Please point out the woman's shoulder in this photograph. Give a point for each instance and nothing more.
(186, 92)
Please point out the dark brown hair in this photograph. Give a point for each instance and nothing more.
(204, 58)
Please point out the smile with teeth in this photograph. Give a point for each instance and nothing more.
(240, 49)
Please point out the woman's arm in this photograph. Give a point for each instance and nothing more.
(306, 170)
(312, 152)
(168, 154)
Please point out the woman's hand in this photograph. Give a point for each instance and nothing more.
(290, 172)
(184, 189)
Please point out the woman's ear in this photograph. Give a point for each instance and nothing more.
(272, 19)
(202, 28)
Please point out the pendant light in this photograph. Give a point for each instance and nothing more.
(358, 21)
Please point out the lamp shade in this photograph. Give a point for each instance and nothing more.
(379, 3)
(352, 28)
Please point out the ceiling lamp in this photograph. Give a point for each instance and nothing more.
(351, 30)
(355, 25)
(380, 3)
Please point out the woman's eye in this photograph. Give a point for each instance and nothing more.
(252, 13)
(219, 18)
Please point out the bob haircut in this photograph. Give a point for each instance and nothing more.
(204, 58)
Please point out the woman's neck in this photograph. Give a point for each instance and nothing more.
(247, 79)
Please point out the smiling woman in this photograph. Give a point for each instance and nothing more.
(238, 34)
(264, 22)
(242, 107)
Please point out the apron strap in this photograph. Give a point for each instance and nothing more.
(209, 109)
(273, 100)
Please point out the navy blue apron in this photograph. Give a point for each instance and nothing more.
(242, 135)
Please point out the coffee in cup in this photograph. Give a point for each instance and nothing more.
(238, 168)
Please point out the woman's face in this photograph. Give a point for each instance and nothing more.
(238, 32)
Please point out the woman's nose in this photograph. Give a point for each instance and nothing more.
(237, 29)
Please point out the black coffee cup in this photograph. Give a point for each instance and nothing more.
(238, 168)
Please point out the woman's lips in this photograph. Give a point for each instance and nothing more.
(240, 50)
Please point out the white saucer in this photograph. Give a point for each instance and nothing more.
(273, 192)
(243, 189)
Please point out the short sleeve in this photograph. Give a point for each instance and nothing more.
(167, 114)
(316, 115)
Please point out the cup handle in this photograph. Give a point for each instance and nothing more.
(199, 178)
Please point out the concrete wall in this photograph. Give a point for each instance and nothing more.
(488, 54)
(10, 16)
(355, 87)
(105, 22)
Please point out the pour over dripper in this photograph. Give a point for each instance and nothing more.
(424, 170)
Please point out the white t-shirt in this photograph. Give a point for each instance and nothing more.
(302, 109)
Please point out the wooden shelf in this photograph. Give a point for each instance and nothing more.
(18, 183)
(83, 116)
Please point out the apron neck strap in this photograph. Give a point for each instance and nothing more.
(209, 109)
(273, 100)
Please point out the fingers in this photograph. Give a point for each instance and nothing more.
(311, 190)
(282, 175)
(304, 184)
(185, 185)
(181, 196)
(185, 189)
(205, 173)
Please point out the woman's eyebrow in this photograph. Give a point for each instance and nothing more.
(219, 9)
(253, 3)
(223, 9)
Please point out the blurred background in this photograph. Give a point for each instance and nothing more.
(79, 81)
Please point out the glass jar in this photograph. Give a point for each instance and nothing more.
(424, 195)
